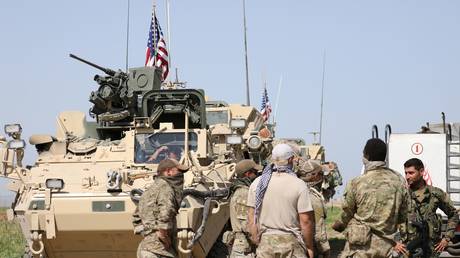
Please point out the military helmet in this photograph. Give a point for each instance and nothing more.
(246, 165)
(171, 163)
(310, 171)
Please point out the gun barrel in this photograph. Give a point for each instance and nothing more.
(105, 70)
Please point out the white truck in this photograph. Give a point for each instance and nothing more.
(438, 146)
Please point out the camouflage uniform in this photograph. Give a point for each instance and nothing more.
(305, 168)
(429, 199)
(332, 179)
(321, 241)
(280, 245)
(241, 246)
(374, 204)
(157, 210)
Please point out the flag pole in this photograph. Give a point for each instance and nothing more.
(154, 17)
(248, 99)
(322, 99)
(127, 37)
(168, 25)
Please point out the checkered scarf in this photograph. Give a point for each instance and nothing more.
(263, 184)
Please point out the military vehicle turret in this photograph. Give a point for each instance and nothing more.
(78, 198)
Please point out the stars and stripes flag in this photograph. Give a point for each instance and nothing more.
(265, 108)
(157, 54)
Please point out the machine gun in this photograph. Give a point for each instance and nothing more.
(112, 101)
(118, 99)
(419, 247)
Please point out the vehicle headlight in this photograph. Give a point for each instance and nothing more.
(16, 144)
(237, 123)
(11, 129)
(254, 142)
(54, 183)
(234, 139)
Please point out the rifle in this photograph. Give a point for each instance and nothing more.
(419, 247)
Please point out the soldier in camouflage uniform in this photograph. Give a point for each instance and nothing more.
(311, 172)
(155, 217)
(424, 202)
(246, 171)
(332, 179)
(374, 204)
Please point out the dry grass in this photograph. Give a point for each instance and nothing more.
(12, 242)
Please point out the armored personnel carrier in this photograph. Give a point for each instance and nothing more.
(238, 132)
(77, 200)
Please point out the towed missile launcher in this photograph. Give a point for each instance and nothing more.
(77, 200)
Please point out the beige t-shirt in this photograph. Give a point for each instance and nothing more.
(286, 196)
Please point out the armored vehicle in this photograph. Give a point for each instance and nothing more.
(77, 200)
(238, 132)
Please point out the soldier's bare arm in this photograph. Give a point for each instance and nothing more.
(251, 227)
(307, 226)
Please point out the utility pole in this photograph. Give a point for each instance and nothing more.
(322, 99)
(248, 100)
(127, 38)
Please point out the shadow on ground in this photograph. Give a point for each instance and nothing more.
(337, 245)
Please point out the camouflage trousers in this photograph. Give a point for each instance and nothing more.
(236, 254)
(280, 246)
(322, 247)
(377, 247)
(241, 248)
(146, 254)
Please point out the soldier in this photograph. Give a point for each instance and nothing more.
(246, 171)
(424, 202)
(311, 172)
(374, 204)
(280, 216)
(157, 211)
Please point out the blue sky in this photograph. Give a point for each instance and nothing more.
(388, 61)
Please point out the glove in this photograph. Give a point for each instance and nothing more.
(338, 226)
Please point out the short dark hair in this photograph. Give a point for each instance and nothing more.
(414, 162)
(375, 150)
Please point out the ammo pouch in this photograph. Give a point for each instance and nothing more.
(237, 241)
(241, 243)
(358, 233)
(228, 237)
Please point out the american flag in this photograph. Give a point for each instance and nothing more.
(157, 54)
(266, 108)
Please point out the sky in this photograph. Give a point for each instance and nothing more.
(387, 62)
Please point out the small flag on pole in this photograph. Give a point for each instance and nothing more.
(157, 54)
(265, 108)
